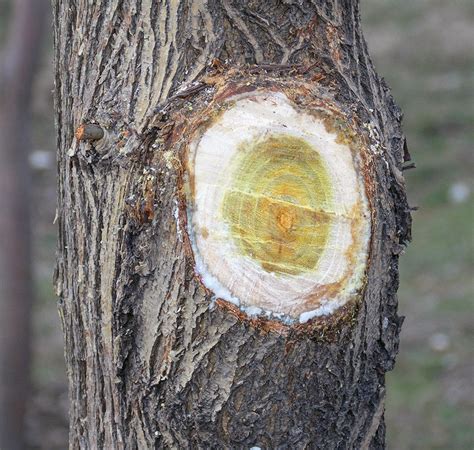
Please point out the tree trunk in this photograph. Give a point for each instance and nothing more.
(17, 68)
(155, 358)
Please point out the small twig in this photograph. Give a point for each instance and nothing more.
(274, 67)
(406, 153)
(409, 166)
(187, 92)
(89, 132)
(413, 208)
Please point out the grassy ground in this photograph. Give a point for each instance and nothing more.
(424, 50)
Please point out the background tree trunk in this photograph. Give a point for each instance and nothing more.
(150, 364)
(17, 68)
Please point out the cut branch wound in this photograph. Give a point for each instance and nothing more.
(279, 220)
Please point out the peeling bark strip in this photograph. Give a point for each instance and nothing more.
(154, 359)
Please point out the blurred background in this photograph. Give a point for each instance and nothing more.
(425, 50)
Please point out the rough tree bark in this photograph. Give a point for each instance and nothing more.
(18, 62)
(152, 361)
